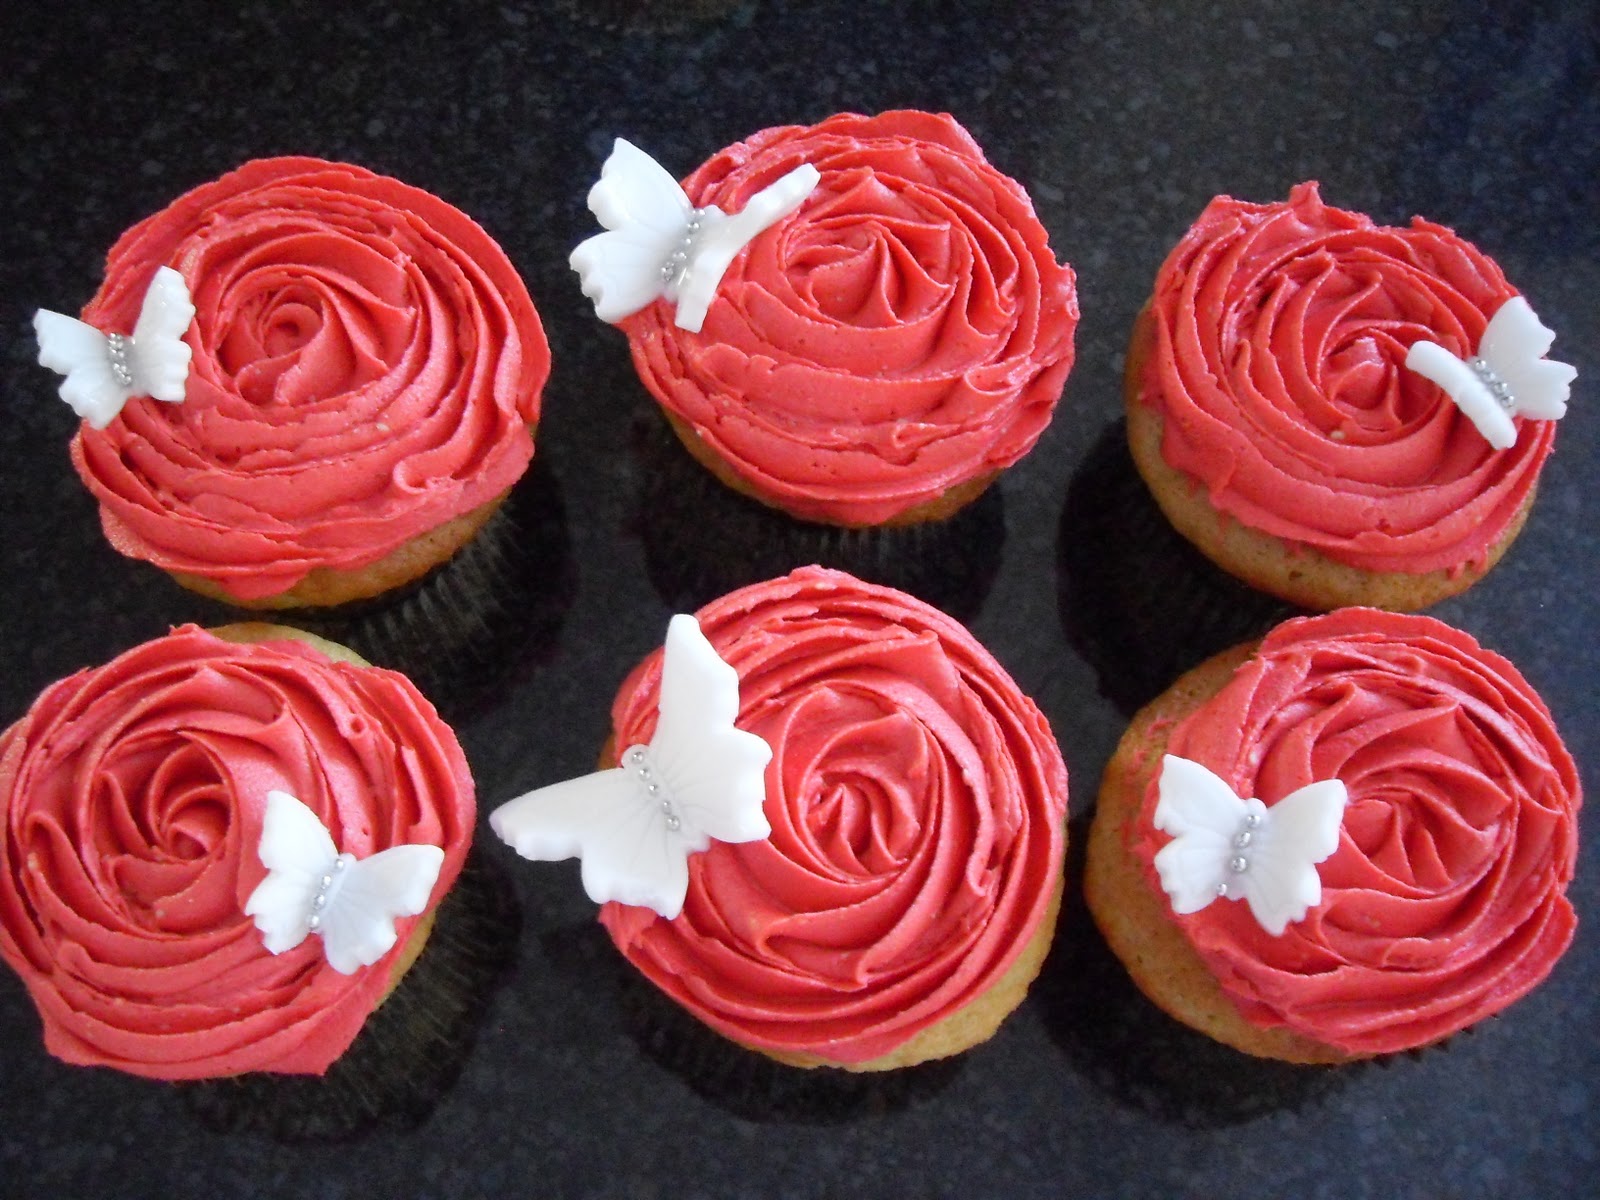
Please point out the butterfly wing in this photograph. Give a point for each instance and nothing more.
(297, 852)
(606, 819)
(722, 237)
(716, 772)
(636, 192)
(1464, 387)
(80, 353)
(159, 357)
(1299, 831)
(646, 216)
(1514, 345)
(1202, 814)
(358, 925)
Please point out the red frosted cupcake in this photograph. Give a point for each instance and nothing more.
(135, 798)
(895, 334)
(366, 369)
(908, 889)
(1439, 897)
(1289, 426)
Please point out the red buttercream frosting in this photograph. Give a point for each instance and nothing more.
(917, 801)
(1446, 898)
(905, 330)
(1281, 333)
(133, 796)
(366, 367)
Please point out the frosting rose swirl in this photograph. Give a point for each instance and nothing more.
(917, 803)
(905, 330)
(366, 367)
(133, 798)
(1281, 333)
(1446, 898)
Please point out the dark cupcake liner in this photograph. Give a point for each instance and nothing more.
(702, 539)
(412, 1047)
(752, 1086)
(1138, 601)
(477, 622)
(1140, 1056)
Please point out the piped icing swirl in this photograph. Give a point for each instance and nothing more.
(1446, 898)
(367, 365)
(1278, 366)
(132, 797)
(906, 330)
(917, 801)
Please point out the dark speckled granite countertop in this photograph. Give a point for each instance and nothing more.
(1123, 120)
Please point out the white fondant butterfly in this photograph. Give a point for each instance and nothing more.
(1224, 846)
(1509, 377)
(103, 370)
(352, 902)
(658, 244)
(634, 826)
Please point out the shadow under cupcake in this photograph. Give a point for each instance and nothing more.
(1138, 601)
(702, 539)
(410, 1051)
(480, 621)
(1137, 1054)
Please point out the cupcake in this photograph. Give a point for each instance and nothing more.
(858, 322)
(224, 857)
(894, 889)
(348, 377)
(1352, 839)
(1285, 403)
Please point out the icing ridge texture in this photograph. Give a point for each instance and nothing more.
(367, 365)
(1446, 897)
(132, 796)
(918, 804)
(905, 330)
(1281, 334)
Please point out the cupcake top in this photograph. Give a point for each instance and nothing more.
(366, 366)
(133, 797)
(1279, 367)
(917, 804)
(904, 330)
(1445, 897)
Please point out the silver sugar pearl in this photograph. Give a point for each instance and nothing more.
(673, 822)
(652, 788)
(117, 348)
(1238, 864)
(1222, 890)
(1251, 820)
(314, 922)
(321, 901)
(1243, 838)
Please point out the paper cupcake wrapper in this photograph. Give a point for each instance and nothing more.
(1138, 601)
(703, 540)
(478, 622)
(752, 1086)
(411, 1049)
